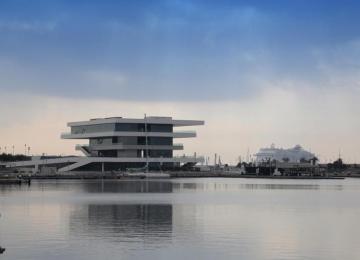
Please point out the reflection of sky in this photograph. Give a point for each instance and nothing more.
(256, 71)
(200, 219)
(127, 223)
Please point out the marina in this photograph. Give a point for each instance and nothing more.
(179, 129)
(119, 148)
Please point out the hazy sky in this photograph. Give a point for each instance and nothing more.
(258, 72)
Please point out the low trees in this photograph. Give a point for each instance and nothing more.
(7, 157)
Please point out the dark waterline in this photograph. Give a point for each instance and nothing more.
(181, 218)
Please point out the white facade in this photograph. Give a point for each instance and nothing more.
(295, 154)
(123, 142)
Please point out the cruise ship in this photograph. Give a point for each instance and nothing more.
(295, 154)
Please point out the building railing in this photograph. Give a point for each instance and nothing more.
(119, 146)
(84, 132)
(185, 132)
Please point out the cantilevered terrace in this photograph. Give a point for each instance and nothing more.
(118, 143)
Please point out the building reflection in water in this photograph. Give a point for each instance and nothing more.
(128, 223)
(129, 186)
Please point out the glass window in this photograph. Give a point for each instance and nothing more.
(92, 128)
(160, 128)
(160, 140)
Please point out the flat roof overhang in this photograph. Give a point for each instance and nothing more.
(148, 120)
(182, 134)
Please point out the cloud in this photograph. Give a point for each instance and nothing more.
(177, 50)
(27, 26)
(106, 78)
(340, 66)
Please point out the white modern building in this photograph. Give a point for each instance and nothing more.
(295, 154)
(118, 143)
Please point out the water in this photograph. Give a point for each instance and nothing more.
(181, 219)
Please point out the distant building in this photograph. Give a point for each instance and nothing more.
(118, 143)
(295, 154)
(133, 143)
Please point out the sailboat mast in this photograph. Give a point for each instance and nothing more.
(146, 145)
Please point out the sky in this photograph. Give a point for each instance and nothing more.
(257, 72)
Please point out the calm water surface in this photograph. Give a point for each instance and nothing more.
(181, 219)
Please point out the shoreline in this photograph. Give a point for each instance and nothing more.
(11, 180)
